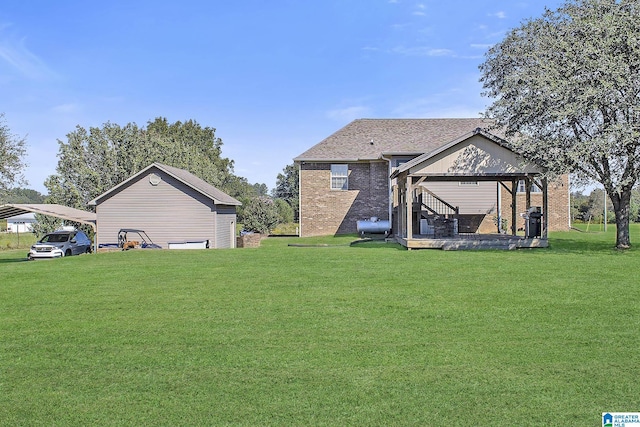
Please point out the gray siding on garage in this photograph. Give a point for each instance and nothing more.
(170, 211)
(471, 199)
(226, 227)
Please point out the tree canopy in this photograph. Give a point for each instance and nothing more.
(566, 88)
(12, 152)
(93, 161)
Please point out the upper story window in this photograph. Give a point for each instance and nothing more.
(522, 187)
(339, 177)
(396, 162)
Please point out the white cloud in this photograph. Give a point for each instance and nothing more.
(422, 51)
(420, 10)
(19, 58)
(463, 100)
(500, 14)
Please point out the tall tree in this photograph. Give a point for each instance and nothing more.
(93, 161)
(566, 87)
(261, 189)
(12, 152)
(287, 187)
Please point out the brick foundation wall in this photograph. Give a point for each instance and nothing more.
(249, 240)
(326, 212)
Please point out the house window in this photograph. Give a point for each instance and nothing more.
(339, 177)
(522, 187)
(396, 162)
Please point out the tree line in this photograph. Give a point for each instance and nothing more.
(590, 207)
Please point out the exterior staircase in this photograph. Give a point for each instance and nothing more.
(436, 217)
(431, 204)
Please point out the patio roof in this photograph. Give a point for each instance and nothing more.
(478, 154)
(59, 211)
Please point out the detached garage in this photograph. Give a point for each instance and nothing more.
(173, 207)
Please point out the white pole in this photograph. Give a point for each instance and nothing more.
(604, 192)
(499, 195)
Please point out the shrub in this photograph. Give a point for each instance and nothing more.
(261, 215)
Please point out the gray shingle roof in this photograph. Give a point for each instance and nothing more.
(368, 139)
(199, 184)
(186, 177)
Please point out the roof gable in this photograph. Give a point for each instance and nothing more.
(181, 175)
(370, 139)
(478, 153)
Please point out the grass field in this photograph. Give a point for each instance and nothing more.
(17, 241)
(369, 334)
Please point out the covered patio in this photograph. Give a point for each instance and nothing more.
(426, 220)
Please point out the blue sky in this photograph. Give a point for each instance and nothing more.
(273, 77)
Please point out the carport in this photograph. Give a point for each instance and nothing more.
(58, 211)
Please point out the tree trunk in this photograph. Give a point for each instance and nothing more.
(621, 205)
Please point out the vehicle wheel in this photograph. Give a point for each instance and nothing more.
(68, 252)
(87, 251)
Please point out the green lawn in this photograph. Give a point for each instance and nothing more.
(369, 334)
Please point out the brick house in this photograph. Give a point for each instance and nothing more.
(361, 170)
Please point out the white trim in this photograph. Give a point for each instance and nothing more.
(338, 176)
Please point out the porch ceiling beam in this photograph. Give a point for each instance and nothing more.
(536, 182)
(505, 175)
(494, 178)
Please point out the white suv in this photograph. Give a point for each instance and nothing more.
(59, 244)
